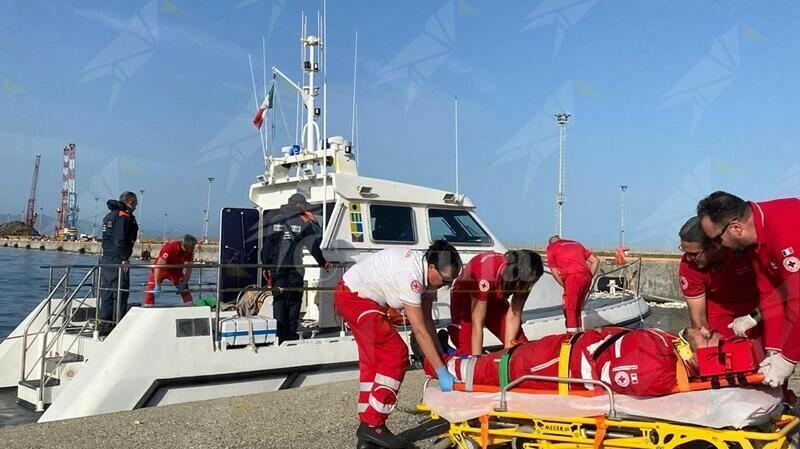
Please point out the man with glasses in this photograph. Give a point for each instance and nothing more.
(771, 231)
(573, 267)
(491, 293)
(404, 279)
(718, 284)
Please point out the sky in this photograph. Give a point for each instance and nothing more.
(673, 99)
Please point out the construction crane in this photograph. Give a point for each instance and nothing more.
(67, 213)
(30, 211)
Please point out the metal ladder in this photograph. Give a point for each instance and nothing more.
(53, 334)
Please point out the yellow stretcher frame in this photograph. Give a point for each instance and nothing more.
(611, 431)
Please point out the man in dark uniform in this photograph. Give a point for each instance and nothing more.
(291, 230)
(119, 235)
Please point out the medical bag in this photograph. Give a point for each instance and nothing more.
(731, 356)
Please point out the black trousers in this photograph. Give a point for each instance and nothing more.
(287, 291)
(109, 279)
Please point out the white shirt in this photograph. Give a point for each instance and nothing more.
(392, 277)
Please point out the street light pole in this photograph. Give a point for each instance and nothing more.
(164, 229)
(141, 214)
(561, 120)
(622, 190)
(94, 223)
(208, 209)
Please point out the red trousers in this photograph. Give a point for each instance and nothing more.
(175, 278)
(576, 287)
(382, 354)
(460, 328)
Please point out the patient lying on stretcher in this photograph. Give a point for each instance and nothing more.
(639, 362)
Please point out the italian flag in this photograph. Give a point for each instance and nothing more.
(258, 120)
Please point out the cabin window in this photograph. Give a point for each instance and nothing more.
(456, 226)
(316, 209)
(391, 223)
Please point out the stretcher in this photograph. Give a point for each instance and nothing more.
(727, 418)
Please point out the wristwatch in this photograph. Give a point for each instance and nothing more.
(756, 315)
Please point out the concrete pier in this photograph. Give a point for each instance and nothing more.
(205, 252)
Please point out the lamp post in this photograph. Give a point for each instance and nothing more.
(164, 229)
(94, 223)
(141, 213)
(622, 190)
(561, 120)
(208, 209)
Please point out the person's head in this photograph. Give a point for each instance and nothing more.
(130, 200)
(298, 200)
(443, 264)
(696, 340)
(727, 220)
(696, 247)
(188, 242)
(553, 239)
(523, 268)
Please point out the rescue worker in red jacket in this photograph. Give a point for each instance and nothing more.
(719, 286)
(771, 231)
(573, 267)
(404, 279)
(176, 252)
(491, 293)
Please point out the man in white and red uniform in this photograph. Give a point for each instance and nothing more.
(719, 285)
(771, 230)
(176, 252)
(572, 266)
(491, 293)
(403, 279)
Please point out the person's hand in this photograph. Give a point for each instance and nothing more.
(776, 369)
(446, 380)
(181, 288)
(157, 290)
(327, 266)
(124, 266)
(741, 324)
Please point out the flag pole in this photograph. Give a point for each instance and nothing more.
(255, 98)
(264, 65)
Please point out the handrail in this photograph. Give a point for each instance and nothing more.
(59, 308)
(620, 268)
(193, 265)
(45, 302)
(612, 411)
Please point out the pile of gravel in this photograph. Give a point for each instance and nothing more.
(17, 228)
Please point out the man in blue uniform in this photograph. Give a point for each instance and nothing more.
(292, 229)
(119, 235)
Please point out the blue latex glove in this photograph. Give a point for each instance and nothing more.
(157, 290)
(446, 380)
(181, 287)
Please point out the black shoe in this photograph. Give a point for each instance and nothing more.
(379, 436)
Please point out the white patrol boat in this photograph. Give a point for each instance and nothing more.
(58, 367)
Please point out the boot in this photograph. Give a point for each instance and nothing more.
(379, 436)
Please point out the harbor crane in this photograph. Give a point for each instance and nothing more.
(30, 210)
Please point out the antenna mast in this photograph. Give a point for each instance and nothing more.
(561, 120)
(353, 125)
(456, 121)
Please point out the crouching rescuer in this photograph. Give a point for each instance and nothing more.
(404, 279)
(176, 252)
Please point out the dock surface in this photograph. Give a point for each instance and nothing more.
(322, 416)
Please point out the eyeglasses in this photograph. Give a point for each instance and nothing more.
(691, 255)
(446, 280)
(718, 238)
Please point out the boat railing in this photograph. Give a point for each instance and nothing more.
(626, 273)
(202, 282)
